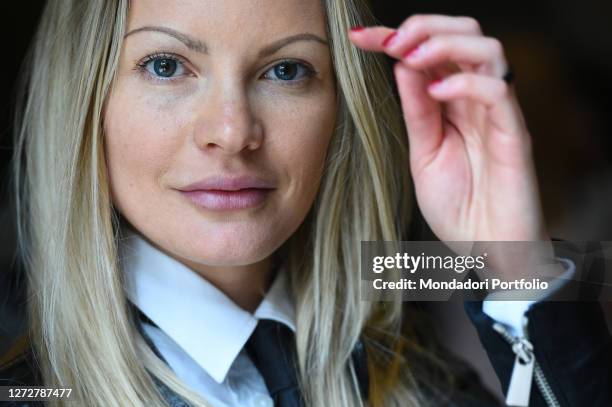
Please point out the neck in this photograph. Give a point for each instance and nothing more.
(245, 285)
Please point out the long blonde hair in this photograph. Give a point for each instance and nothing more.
(82, 329)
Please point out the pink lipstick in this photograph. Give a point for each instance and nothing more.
(228, 193)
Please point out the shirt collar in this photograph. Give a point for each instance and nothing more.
(200, 318)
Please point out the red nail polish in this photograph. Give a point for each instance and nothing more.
(411, 53)
(389, 39)
(357, 28)
(435, 84)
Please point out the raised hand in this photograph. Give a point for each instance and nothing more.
(470, 150)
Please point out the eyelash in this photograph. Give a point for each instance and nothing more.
(309, 72)
(141, 66)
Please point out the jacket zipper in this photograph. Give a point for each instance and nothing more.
(526, 368)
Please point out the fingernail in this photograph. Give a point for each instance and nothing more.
(436, 85)
(357, 28)
(389, 40)
(413, 53)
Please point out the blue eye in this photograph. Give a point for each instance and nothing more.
(289, 71)
(163, 66)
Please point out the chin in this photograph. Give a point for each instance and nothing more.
(232, 246)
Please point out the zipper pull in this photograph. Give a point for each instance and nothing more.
(519, 389)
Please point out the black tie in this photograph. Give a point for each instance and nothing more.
(272, 349)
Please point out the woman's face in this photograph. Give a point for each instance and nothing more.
(218, 124)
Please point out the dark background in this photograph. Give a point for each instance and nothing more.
(561, 52)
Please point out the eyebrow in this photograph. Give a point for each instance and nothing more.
(198, 46)
(276, 45)
(191, 43)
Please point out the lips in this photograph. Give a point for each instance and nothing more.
(228, 193)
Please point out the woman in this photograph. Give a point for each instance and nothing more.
(240, 148)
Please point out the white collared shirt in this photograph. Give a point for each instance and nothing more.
(201, 331)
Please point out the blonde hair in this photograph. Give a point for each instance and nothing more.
(82, 329)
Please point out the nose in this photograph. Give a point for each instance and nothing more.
(227, 122)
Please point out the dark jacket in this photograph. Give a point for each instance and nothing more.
(571, 344)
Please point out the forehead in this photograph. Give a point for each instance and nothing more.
(220, 21)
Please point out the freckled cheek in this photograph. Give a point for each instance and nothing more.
(140, 144)
(301, 140)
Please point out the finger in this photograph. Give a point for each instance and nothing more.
(370, 38)
(484, 52)
(493, 93)
(432, 23)
(419, 28)
(415, 29)
(422, 113)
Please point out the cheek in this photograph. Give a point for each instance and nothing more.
(140, 143)
(299, 139)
